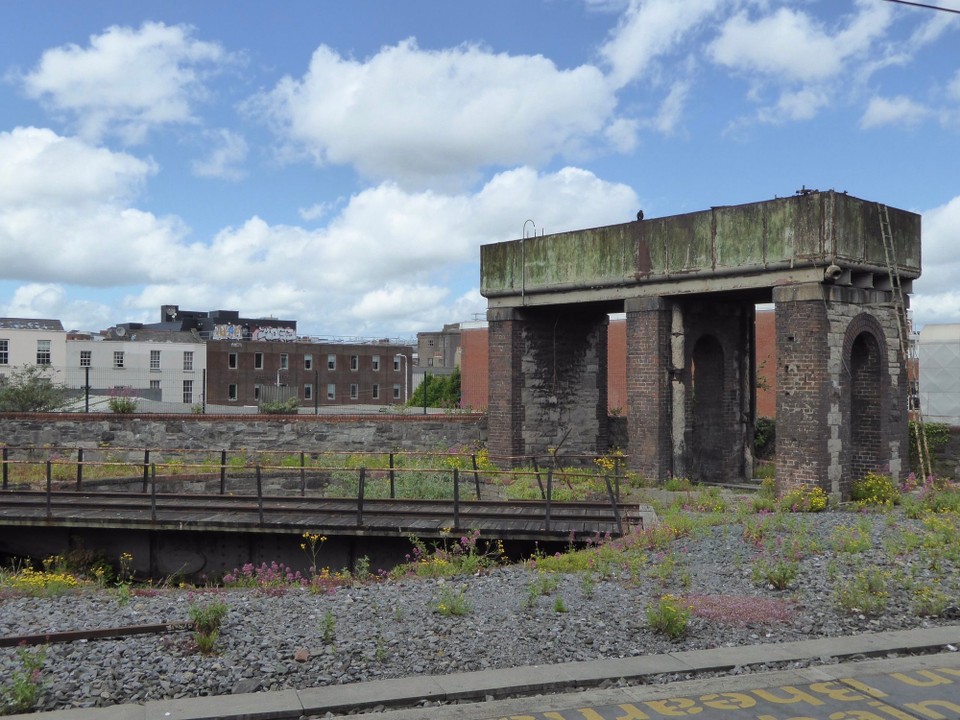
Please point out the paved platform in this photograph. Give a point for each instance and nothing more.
(858, 681)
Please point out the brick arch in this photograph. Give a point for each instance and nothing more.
(863, 399)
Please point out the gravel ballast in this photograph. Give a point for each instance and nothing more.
(273, 640)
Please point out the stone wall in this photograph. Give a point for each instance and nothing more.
(258, 432)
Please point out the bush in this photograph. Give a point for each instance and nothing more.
(442, 391)
(875, 489)
(805, 498)
(764, 437)
(122, 401)
(31, 388)
(285, 407)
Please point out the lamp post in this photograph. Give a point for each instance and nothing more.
(403, 366)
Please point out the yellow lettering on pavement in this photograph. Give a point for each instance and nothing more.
(931, 679)
(675, 707)
(926, 707)
(728, 701)
(788, 696)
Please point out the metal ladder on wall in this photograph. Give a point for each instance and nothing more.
(903, 334)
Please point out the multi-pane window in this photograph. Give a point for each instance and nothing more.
(331, 362)
(308, 391)
(375, 392)
(154, 359)
(188, 360)
(256, 392)
(308, 362)
(396, 363)
(188, 392)
(43, 352)
(331, 391)
(375, 360)
(354, 362)
(396, 391)
(232, 361)
(86, 358)
(284, 361)
(354, 391)
(4, 352)
(118, 359)
(258, 361)
(155, 387)
(232, 391)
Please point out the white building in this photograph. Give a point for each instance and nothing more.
(157, 368)
(31, 342)
(939, 353)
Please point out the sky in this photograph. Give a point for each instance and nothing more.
(341, 163)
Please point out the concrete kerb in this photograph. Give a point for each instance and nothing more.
(502, 683)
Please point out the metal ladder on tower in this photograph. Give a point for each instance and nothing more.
(903, 335)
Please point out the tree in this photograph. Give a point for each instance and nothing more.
(443, 391)
(31, 388)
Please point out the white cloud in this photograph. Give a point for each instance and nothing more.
(936, 298)
(802, 104)
(671, 109)
(649, 29)
(228, 150)
(65, 214)
(789, 44)
(414, 115)
(386, 258)
(953, 89)
(899, 110)
(126, 81)
(53, 301)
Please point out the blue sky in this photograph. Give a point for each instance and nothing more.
(340, 163)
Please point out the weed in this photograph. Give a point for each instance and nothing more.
(778, 573)
(452, 602)
(21, 692)
(805, 498)
(853, 539)
(865, 592)
(930, 601)
(328, 628)
(559, 605)
(670, 616)
(207, 620)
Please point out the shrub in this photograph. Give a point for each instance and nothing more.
(122, 401)
(22, 690)
(875, 489)
(764, 437)
(805, 498)
(285, 407)
(31, 389)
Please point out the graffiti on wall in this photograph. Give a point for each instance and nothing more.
(273, 334)
(228, 332)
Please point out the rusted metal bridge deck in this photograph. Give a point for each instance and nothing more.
(508, 520)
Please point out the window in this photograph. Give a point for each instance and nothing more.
(308, 392)
(354, 391)
(154, 359)
(232, 392)
(118, 359)
(86, 357)
(4, 352)
(232, 361)
(256, 392)
(375, 360)
(396, 391)
(396, 362)
(188, 392)
(308, 362)
(284, 361)
(155, 387)
(258, 361)
(375, 392)
(354, 362)
(43, 352)
(188, 360)
(331, 362)
(331, 391)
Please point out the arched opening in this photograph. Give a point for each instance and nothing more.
(866, 411)
(707, 390)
